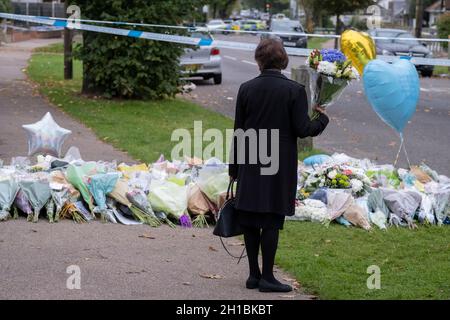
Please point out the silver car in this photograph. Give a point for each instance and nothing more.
(204, 61)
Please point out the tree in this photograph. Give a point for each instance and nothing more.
(5, 6)
(340, 7)
(275, 5)
(313, 12)
(443, 27)
(221, 8)
(116, 66)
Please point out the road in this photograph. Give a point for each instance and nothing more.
(354, 127)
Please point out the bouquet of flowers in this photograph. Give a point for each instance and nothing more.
(336, 177)
(330, 73)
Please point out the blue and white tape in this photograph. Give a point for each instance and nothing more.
(108, 30)
(66, 23)
(313, 35)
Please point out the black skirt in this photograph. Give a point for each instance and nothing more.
(261, 220)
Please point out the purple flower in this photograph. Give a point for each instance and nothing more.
(332, 55)
(185, 221)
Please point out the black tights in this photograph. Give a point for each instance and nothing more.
(268, 240)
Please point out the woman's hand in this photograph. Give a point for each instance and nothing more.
(320, 109)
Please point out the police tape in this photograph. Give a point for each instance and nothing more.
(68, 23)
(256, 32)
(108, 30)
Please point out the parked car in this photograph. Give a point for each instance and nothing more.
(204, 61)
(249, 25)
(394, 47)
(265, 16)
(216, 25)
(279, 16)
(299, 40)
(236, 25)
(228, 24)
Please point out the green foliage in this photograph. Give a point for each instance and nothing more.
(277, 6)
(5, 6)
(124, 67)
(339, 7)
(221, 8)
(443, 26)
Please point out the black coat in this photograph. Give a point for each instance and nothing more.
(272, 101)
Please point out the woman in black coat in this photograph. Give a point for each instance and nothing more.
(274, 106)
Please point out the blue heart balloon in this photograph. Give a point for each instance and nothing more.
(392, 90)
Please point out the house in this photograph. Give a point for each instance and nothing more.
(436, 9)
(394, 12)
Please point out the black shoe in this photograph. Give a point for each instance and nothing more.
(252, 282)
(266, 286)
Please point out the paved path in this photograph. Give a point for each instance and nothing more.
(116, 261)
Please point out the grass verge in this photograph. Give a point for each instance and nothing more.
(143, 128)
(332, 262)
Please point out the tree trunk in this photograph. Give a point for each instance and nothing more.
(419, 18)
(337, 31)
(68, 59)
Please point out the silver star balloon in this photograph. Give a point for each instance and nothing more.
(45, 136)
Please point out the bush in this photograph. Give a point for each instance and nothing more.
(115, 66)
(443, 26)
(5, 6)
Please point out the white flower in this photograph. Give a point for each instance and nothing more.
(327, 68)
(332, 174)
(354, 74)
(357, 185)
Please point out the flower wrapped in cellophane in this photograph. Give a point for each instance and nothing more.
(330, 73)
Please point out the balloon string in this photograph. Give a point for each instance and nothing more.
(404, 148)
(399, 149)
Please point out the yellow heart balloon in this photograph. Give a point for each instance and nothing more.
(359, 47)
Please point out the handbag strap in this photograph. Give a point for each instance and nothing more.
(230, 188)
(229, 253)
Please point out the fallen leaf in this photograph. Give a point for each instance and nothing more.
(236, 243)
(32, 230)
(327, 241)
(427, 110)
(310, 297)
(392, 143)
(289, 279)
(211, 248)
(186, 283)
(287, 296)
(211, 276)
(146, 236)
